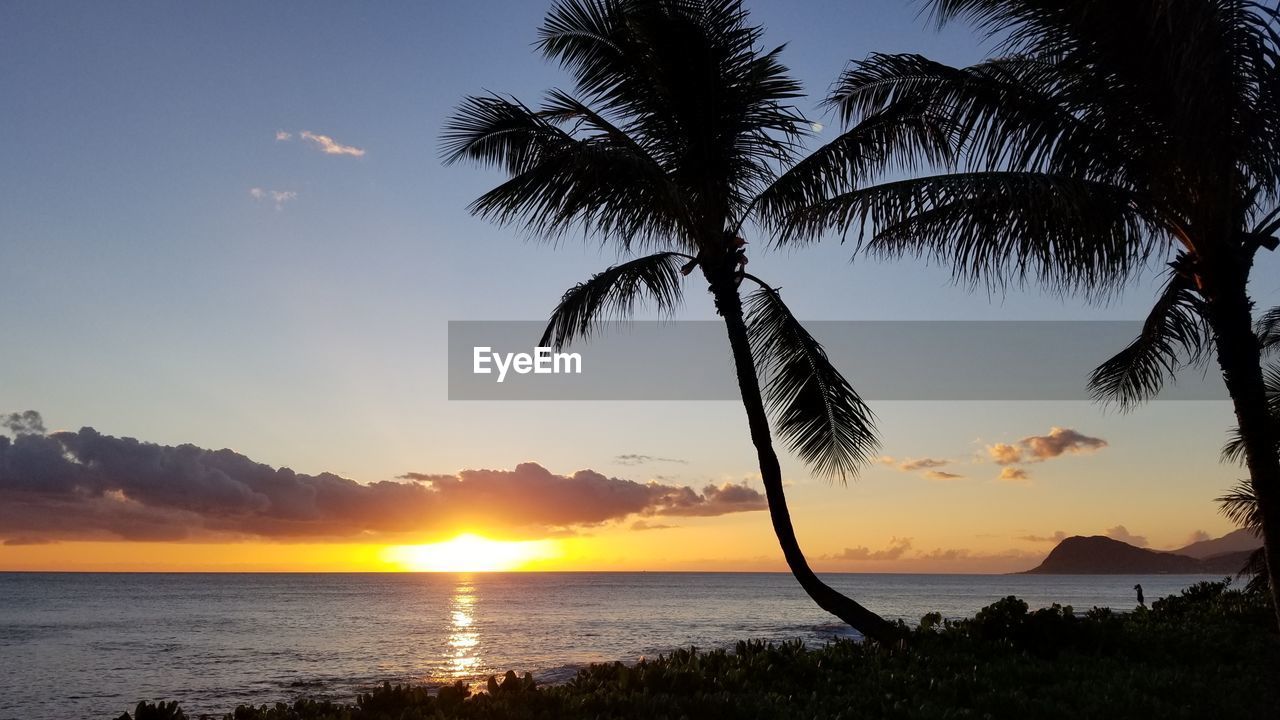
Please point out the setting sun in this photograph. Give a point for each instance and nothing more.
(469, 553)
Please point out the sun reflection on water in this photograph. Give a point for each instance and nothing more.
(463, 660)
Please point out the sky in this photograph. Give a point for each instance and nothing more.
(227, 234)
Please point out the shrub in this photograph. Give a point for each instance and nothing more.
(1208, 652)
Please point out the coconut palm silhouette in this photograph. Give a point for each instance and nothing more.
(1241, 504)
(1104, 135)
(676, 137)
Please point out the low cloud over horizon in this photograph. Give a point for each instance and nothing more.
(88, 486)
(1121, 533)
(902, 552)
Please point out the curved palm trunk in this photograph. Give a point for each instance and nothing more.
(1240, 359)
(871, 625)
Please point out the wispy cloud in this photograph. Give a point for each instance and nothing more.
(636, 459)
(902, 554)
(279, 197)
(283, 136)
(1057, 536)
(641, 526)
(949, 555)
(328, 145)
(922, 464)
(927, 464)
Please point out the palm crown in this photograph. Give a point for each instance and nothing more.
(677, 124)
(675, 137)
(1102, 136)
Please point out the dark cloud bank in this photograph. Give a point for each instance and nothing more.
(86, 485)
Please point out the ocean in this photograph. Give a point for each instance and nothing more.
(92, 645)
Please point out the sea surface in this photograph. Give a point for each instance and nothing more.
(91, 645)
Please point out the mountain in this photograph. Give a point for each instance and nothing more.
(1099, 555)
(1242, 540)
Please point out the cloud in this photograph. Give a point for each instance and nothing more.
(1197, 536)
(1038, 448)
(1059, 441)
(1004, 454)
(634, 459)
(17, 541)
(926, 464)
(900, 553)
(641, 525)
(86, 485)
(279, 197)
(1057, 536)
(328, 145)
(950, 555)
(1014, 475)
(715, 500)
(897, 548)
(283, 136)
(23, 423)
(921, 464)
(1122, 534)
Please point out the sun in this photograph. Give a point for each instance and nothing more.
(469, 553)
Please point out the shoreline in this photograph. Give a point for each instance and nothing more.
(1206, 652)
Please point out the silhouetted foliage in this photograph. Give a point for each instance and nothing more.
(1207, 652)
(1103, 135)
(676, 136)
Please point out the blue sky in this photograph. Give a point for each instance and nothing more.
(149, 294)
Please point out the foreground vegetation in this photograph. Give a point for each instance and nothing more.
(1209, 652)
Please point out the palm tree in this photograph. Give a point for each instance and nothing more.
(1241, 504)
(678, 124)
(1103, 134)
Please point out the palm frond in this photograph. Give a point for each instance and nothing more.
(1173, 336)
(599, 180)
(1234, 450)
(1014, 112)
(1000, 227)
(1240, 506)
(1179, 84)
(1268, 330)
(690, 82)
(902, 137)
(1255, 566)
(816, 411)
(613, 294)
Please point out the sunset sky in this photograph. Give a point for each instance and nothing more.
(227, 226)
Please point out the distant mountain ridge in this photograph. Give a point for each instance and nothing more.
(1098, 555)
(1242, 540)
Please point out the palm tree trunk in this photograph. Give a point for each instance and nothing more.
(1231, 317)
(871, 625)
